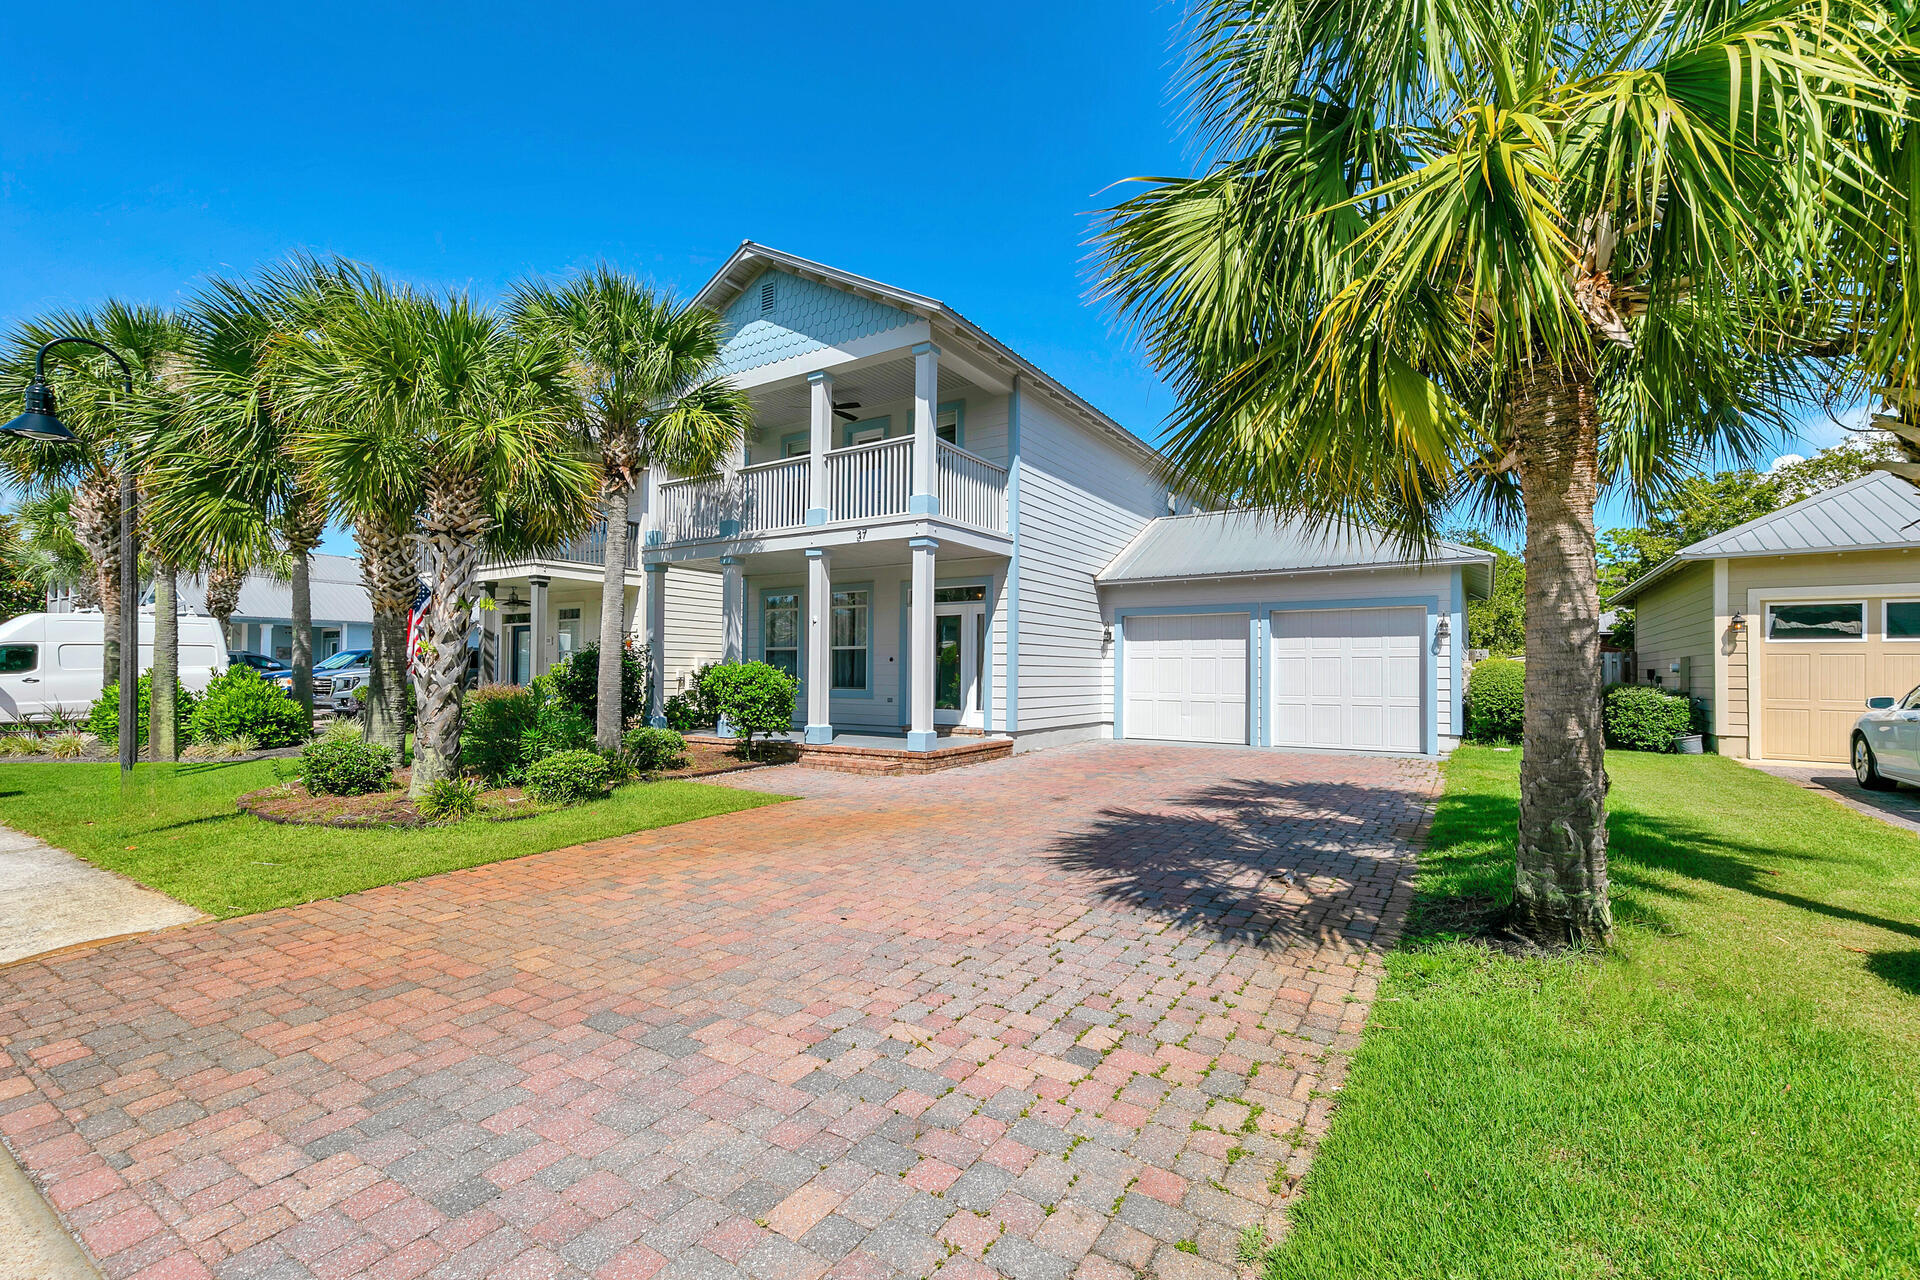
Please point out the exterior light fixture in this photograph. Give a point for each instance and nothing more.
(1442, 629)
(1737, 622)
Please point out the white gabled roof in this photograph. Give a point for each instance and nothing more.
(1251, 543)
(1877, 512)
(750, 259)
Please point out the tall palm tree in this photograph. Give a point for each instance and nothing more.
(1505, 254)
(93, 406)
(644, 371)
(395, 389)
(50, 551)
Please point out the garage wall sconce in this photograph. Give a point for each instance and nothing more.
(1738, 622)
(1106, 635)
(1442, 629)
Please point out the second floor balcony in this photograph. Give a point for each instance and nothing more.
(862, 484)
(588, 549)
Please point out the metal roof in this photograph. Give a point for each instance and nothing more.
(338, 594)
(1879, 511)
(750, 259)
(1250, 543)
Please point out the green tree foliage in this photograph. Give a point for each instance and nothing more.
(18, 592)
(1497, 624)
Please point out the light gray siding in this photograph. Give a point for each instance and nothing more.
(1673, 622)
(694, 632)
(1082, 499)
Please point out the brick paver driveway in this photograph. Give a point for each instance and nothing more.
(1075, 1013)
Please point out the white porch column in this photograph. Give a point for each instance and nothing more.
(733, 609)
(925, 499)
(655, 639)
(819, 644)
(920, 734)
(537, 615)
(730, 472)
(650, 509)
(822, 440)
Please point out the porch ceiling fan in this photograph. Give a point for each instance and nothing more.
(840, 408)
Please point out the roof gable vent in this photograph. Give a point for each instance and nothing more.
(766, 296)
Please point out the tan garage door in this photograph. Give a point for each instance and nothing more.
(1819, 663)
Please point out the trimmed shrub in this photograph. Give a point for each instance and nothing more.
(753, 696)
(240, 703)
(1494, 700)
(1642, 717)
(577, 680)
(655, 750)
(449, 799)
(567, 777)
(103, 718)
(693, 708)
(346, 767)
(494, 729)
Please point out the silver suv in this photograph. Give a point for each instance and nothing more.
(335, 680)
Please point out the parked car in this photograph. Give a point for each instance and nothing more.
(50, 662)
(335, 680)
(269, 668)
(1886, 742)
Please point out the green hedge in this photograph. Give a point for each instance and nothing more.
(753, 696)
(652, 750)
(496, 725)
(241, 703)
(1495, 700)
(567, 777)
(338, 765)
(1642, 717)
(103, 718)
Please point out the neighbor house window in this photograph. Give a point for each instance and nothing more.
(850, 639)
(1903, 620)
(780, 620)
(1817, 621)
(567, 635)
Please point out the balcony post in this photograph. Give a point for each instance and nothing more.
(925, 499)
(733, 609)
(821, 441)
(656, 642)
(489, 634)
(731, 496)
(923, 660)
(651, 534)
(819, 644)
(537, 615)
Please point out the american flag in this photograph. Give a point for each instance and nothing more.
(416, 623)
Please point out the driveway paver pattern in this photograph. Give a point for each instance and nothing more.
(1074, 1014)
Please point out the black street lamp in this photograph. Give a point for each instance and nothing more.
(41, 422)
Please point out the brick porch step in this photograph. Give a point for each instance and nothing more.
(953, 753)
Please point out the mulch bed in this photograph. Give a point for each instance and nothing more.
(291, 803)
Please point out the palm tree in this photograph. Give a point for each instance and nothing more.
(398, 391)
(50, 551)
(94, 408)
(1506, 255)
(644, 369)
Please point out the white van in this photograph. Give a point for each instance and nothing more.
(50, 662)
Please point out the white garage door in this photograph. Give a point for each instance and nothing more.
(1350, 678)
(1186, 677)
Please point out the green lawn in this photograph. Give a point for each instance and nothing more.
(1734, 1091)
(181, 834)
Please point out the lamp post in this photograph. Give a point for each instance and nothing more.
(41, 422)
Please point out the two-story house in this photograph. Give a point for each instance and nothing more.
(937, 538)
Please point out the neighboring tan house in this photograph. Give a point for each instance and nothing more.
(1787, 624)
(936, 537)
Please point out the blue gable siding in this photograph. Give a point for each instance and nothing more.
(804, 317)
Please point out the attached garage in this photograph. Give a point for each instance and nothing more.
(1186, 677)
(1349, 679)
(1241, 628)
(1820, 660)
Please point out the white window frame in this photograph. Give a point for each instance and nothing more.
(767, 608)
(1772, 605)
(1886, 632)
(863, 611)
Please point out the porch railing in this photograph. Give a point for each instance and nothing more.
(694, 508)
(774, 495)
(972, 490)
(588, 548)
(870, 480)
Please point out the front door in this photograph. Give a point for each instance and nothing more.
(959, 657)
(520, 651)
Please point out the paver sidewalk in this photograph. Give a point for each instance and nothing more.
(1078, 1013)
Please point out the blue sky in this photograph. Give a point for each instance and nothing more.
(954, 150)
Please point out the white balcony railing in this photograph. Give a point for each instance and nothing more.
(865, 482)
(972, 490)
(871, 480)
(773, 495)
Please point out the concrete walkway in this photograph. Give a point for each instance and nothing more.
(50, 899)
(33, 1244)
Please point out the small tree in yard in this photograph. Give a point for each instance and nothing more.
(752, 697)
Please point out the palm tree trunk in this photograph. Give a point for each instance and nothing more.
(1560, 864)
(96, 525)
(608, 725)
(163, 715)
(223, 595)
(456, 525)
(388, 569)
(304, 523)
